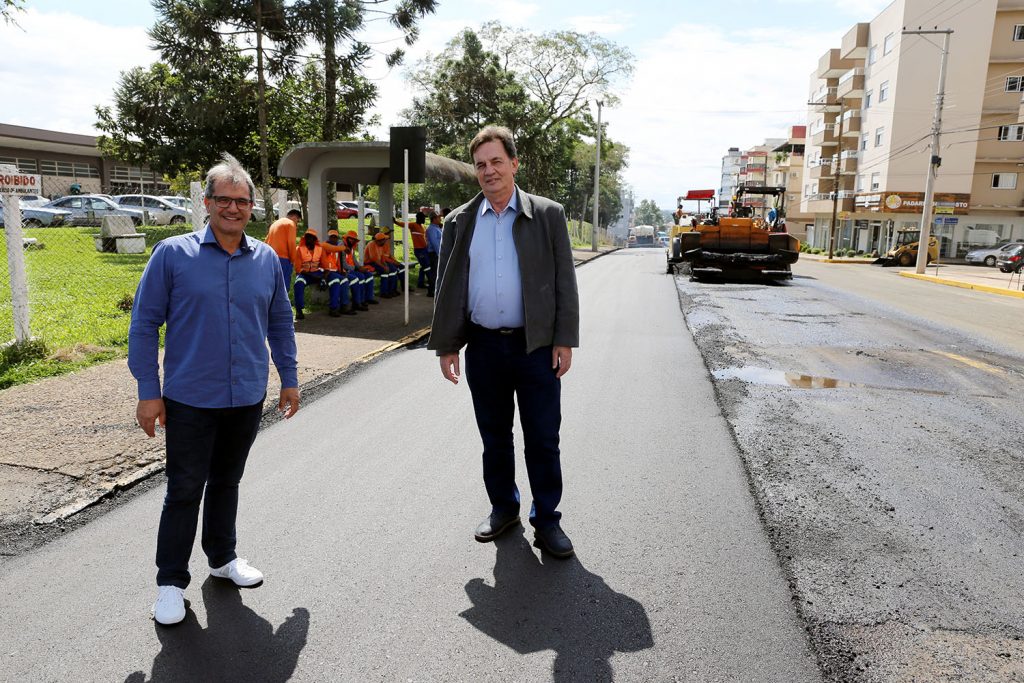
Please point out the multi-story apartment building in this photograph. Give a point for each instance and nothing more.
(871, 122)
(730, 175)
(786, 169)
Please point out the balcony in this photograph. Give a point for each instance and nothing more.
(821, 170)
(822, 202)
(832, 65)
(848, 163)
(825, 137)
(855, 42)
(851, 124)
(826, 100)
(851, 85)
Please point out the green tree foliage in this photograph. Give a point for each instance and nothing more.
(180, 120)
(8, 9)
(648, 213)
(468, 86)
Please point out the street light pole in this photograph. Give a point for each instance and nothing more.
(835, 183)
(597, 181)
(934, 160)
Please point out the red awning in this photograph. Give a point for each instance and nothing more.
(700, 194)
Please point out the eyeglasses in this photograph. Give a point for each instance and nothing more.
(225, 202)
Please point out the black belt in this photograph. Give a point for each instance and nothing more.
(499, 330)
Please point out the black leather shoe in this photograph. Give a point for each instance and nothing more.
(299, 315)
(495, 525)
(553, 541)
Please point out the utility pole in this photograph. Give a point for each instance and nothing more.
(935, 160)
(597, 181)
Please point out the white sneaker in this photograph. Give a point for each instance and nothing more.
(169, 607)
(239, 571)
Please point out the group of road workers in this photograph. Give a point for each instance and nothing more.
(333, 265)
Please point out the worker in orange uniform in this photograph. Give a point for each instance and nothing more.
(337, 279)
(313, 266)
(379, 257)
(360, 278)
(418, 231)
(281, 238)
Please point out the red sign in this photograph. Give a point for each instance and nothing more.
(700, 194)
(19, 183)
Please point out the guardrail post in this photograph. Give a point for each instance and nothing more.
(16, 266)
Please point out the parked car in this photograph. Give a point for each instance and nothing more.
(38, 217)
(259, 212)
(1011, 259)
(33, 200)
(288, 206)
(989, 255)
(89, 209)
(161, 211)
(183, 202)
(350, 209)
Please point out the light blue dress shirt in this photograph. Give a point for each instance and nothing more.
(221, 312)
(495, 284)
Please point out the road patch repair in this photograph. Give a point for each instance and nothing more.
(71, 442)
(887, 474)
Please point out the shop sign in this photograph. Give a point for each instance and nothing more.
(913, 202)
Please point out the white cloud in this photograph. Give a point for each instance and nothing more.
(603, 24)
(692, 99)
(60, 66)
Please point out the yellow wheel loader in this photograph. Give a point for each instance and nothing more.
(904, 251)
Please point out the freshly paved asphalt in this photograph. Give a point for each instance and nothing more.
(363, 526)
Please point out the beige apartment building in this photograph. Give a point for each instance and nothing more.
(870, 128)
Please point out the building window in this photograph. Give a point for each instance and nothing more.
(875, 178)
(1004, 181)
(1014, 84)
(23, 165)
(860, 184)
(883, 91)
(879, 136)
(1018, 32)
(872, 54)
(888, 43)
(867, 99)
(863, 141)
(1011, 133)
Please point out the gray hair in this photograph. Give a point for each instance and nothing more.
(231, 171)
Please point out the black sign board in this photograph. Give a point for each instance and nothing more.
(414, 139)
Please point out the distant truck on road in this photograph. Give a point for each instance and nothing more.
(640, 236)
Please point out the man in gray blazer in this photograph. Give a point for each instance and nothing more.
(507, 292)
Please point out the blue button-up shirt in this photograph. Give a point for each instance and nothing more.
(495, 284)
(433, 238)
(221, 310)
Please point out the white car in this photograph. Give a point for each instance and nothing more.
(161, 211)
(183, 202)
(32, 200)
(351, 209)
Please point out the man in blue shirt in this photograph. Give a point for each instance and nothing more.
(507, 292)
(223, 298)
(433, 250)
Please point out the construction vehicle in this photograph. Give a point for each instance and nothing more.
(640, 236)
(740, 245)
(904, 249)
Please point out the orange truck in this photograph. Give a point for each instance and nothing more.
(742, 244)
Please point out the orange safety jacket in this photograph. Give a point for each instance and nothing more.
(281, 238)
(331, 259)
(418, 233)
(307, 261)
(378, 254)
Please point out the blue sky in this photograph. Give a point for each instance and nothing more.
(709, 75)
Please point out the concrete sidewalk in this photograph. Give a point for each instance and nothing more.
(70, 441)
(979, 278)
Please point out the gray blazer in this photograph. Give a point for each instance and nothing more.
(550, 300)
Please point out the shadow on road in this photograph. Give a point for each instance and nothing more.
(237, 644)
(557, 605)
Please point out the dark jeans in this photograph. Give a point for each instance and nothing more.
(499, 371)
(432, 275)
(206, 447)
